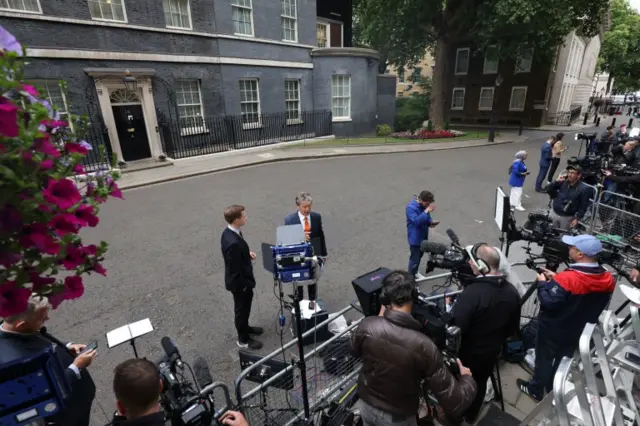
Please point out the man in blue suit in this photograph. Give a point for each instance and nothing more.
(546, 155)
(419, 221)
(312, 224)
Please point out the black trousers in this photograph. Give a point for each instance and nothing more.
(481, 369)
(312, 292)
(242, 309)
(552, 170)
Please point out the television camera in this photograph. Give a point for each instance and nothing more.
(453, 258)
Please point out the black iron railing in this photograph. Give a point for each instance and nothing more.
(188, 137)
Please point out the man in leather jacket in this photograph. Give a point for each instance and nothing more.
(397, 357)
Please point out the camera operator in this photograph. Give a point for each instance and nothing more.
(487, 312)
(570, 199)
(137, 386)
(397, 357)
(568, 301)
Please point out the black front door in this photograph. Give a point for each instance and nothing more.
(132, 132)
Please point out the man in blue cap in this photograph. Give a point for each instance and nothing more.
(568, 301)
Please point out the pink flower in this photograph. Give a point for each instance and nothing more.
(66, 223)
(30, 90)
(55, 299)
(9, 119)
(85, 215)
(39, 281)
(63, 193)
(90, 250)
(99, 269)
(46, 164)
(114, 191)
(72, 147)
(45, 146)
(74, 288)
(27, 156)
(78, 169)
(8, 259)
(75, 257)
(13, 299)
(37, 235)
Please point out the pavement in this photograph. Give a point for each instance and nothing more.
(164, 259)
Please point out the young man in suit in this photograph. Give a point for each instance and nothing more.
(238, 275)
(312, 224)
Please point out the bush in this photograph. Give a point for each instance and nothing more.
(412, 109)
(44, 205)
(428, 134)
(446, 125)
(429, 125)
(383, 130)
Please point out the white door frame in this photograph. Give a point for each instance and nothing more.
(104, 88)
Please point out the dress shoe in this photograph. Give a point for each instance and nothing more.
(256, 331)
(250, 344)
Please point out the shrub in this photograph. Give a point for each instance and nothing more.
(428, 134)
(43, 205)
(412, 109)
(383, 130)
(429, 125)
(446, 125)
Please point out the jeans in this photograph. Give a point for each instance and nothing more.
(541, 175)
(242, 309)
(372, 416)
(414, 259)
(549, 353)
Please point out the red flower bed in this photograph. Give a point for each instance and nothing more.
(425, 134)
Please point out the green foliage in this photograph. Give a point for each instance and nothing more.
(411, 111)
(429, 126)
(620, 53)
(447, 125)
(383, 130)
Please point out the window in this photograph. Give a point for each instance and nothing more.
(341, 96)
(289, 17)
(486, 99)
(177, 13)
(457, 100)
(242, 17)
(462, 61)
(292, 99)
(108, 10)
(518, 98)
(32, 6)
(523, 64)
(491, 60)
(250, 103)
(417, 72)
(323, 35)
(190, 110)
(52, 91)
(401, 75)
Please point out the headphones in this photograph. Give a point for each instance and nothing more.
(385, 298)
(480, 264)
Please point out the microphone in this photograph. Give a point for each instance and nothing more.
(453, 237)
(433, 247)
(171, 350)
(202, 372)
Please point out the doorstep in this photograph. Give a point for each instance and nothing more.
(146, 164)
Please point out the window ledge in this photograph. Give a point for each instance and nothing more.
(250, 126)
(31, 12)
(190, 131)
(341, 119)
(462, 73)
(457, 108)
(244, 35)
(294, 121)
(171, 27)
(516, 109)
(485, 109)
(109, 20)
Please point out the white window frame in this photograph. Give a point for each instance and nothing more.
(190, 27)
(44, 84)
(250, 9)
(453, 97)
(298, 100)
(192, 130)
(255, 124)
(489, 61)
(38, 12)
(124, 12)
(327, 28)
(333, 82)
(493, 92)
(284, 18)
(465, 72)
(524, 103)
(518, 69)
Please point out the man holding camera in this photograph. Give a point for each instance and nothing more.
(397, 357)
(568, 301)
(570, 199)
(487, 313)
(418, 214)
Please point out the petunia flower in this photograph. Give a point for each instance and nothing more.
(30, 90)
(85, 215)
(72, 147)
(63, 193)
(13, 299)
(9, 119)
(45, 146)
(9, 43)
(37, 235)
(74, 288)
(66, 223)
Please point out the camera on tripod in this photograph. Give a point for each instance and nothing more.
(453, 258)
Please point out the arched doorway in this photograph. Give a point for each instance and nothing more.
(130, 124)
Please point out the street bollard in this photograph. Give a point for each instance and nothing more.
(595, 117)
(630, 123)
(613, 122)
(586, 117)
(598, 122)
(492, 134)
(520, 130)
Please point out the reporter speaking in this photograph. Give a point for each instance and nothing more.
(487, 312)
(397, 357)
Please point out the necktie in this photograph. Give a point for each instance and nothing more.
(307, 226)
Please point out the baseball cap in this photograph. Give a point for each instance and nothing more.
(587, 244)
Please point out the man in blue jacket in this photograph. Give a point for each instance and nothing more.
(419, 221)
(545, 162)
(568, 301)
(570, 199)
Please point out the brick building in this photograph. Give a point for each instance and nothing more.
(182, 77)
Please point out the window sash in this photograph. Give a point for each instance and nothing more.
(322, 35)
(250, 102)
(341, 96)
(112, 10)
(524, 62)
(29, 6)
(518, 99)
(177, 13)
(491, 61)
(242, 17)
(189, 101)
(462, 58)
(485, 102)
(292, 99)
(458, 94)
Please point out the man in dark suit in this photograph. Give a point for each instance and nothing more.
(312, 224)
(23, 335)
(238, 275)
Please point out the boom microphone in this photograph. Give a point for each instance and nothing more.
(171, 350)
(453, 237)
(433, 247)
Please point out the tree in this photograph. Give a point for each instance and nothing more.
(620, 53)
(44, 203)
(406, 28)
